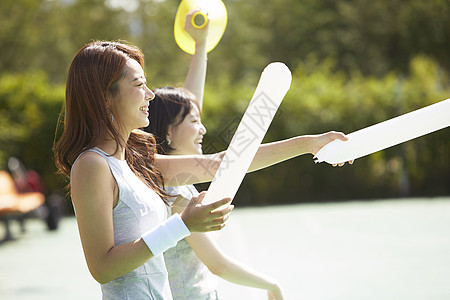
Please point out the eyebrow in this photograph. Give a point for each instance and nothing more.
(137, 78)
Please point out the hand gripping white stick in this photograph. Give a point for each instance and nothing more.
(273, 85)
(387, 134)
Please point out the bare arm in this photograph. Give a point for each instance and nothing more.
(195, 79)
(92, 190)
(276, 152)
(189, 169)
(94, 193)
(228, 268)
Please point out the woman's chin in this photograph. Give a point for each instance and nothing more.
(198, 149)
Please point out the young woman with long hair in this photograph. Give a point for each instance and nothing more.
(117, 178)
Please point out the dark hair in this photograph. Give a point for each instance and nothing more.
(169, 107)
(94, 72)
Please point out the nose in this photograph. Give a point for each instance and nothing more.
(202, 129)
(149, 95)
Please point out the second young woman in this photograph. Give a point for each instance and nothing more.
(179, 131)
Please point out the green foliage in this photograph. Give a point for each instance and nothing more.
(321, 99)
(375, 37)
(29, 109)
(355, 63)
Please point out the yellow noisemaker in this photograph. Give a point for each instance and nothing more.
(214, 10)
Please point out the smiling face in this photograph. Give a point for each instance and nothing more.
(132, 100)
(186, 137)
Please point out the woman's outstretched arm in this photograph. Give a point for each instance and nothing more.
(189, 169)
(272, 153)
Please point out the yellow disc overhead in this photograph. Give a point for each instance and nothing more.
(214, 10)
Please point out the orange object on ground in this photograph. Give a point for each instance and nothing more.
(13, 202)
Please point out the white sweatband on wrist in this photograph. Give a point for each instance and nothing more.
(166, 235)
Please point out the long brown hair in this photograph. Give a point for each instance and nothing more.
(94, 72)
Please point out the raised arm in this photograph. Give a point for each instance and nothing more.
(195, 79)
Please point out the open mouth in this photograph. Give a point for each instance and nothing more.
(143, 108)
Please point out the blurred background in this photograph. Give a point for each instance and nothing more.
(355, 63)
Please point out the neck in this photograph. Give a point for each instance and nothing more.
(109, 145)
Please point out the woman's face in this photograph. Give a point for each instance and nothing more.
(186, 137)
(133, 97)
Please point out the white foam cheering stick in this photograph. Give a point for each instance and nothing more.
(387, 134)
(273, 85)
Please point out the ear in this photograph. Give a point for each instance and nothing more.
(108, 98)
(169, 133)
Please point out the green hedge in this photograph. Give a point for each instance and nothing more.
(320, 99)
(29, 109)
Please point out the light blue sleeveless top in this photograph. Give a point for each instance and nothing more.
(139, 209)
(189, 277)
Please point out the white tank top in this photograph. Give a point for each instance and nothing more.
(138, 210)
(189, 277)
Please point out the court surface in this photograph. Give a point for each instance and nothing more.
(389, 249)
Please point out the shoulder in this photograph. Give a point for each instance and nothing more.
(181, 196)
(173, 190)
(185, 191)
(174, 193)
(90, 161)
(90, 168)
(92, 184)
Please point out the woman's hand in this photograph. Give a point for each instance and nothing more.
(199, 35)
(322, 139)
(200, 217)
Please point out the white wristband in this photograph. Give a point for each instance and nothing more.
(166, 235)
